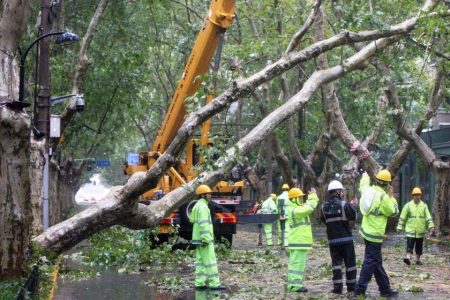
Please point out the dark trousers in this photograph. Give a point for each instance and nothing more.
(372, 265)
(410, 245)
(345, 253)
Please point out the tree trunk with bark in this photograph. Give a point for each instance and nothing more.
(441, 200)
(65, 182)
(36, 172)
(15, 205)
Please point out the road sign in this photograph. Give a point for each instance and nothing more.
(103, 163)
(133, 159)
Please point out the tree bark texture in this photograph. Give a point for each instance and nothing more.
(37, 161)
(65, 179)
(15, 206)
(441, 200)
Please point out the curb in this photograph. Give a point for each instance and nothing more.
(54, 277)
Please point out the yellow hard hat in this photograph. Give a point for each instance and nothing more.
(203, 189)
(295, 192)
(416, 191)
(285, 186)
(384, 175)
(274, 197)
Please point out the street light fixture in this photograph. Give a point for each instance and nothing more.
(63, 38)
(79, 100)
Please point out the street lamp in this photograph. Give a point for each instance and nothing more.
(63, 38)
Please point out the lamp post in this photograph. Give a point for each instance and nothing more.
(63, 37)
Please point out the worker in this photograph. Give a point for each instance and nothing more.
(416, 218)
(336, 214)
(203, 239)
(283, 226)
(300, 236)
(269, 207)
(373, 227)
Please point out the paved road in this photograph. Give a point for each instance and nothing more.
(250, 276)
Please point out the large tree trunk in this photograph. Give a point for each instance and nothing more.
(65, 182)
(442, 198)
(15, 205)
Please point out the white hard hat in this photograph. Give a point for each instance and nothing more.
(335, 185)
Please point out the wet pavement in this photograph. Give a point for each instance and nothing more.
(253, 272)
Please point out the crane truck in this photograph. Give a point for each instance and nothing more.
(226, 196)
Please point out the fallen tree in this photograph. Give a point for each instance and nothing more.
(120, 205)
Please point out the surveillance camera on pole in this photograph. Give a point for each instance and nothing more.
(79, 102)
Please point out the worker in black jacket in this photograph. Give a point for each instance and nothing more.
(336, 214)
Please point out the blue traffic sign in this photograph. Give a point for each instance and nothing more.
(103, 163)
(133, 159)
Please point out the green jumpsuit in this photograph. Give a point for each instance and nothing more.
(203, 237)
(269, 207)
(300, 240)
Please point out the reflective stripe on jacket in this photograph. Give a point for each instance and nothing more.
(415, 219)
(373, 224)
(202, 231)
(269, 206)
(336, 214)
(300, 234)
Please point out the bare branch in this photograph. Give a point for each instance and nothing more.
(83, 63)
(189, 9)
(412, 135)
(424, 47)
(297, 37)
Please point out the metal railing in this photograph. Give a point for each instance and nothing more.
(31, 286)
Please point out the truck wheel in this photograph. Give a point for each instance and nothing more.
(185, 211)
(226, 238)
(156, 241)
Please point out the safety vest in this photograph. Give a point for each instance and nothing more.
(417, 219)
(269, 206)
(202, 231)
(300, 234)
(373, 226)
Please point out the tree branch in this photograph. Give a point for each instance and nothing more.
(83, 63)
(309, 21)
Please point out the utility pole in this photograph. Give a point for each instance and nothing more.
(42, 111)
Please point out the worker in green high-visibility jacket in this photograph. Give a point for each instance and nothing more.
(206, 272)
(269, 207)
(300, 236)
(415, 220)
(373, 226)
